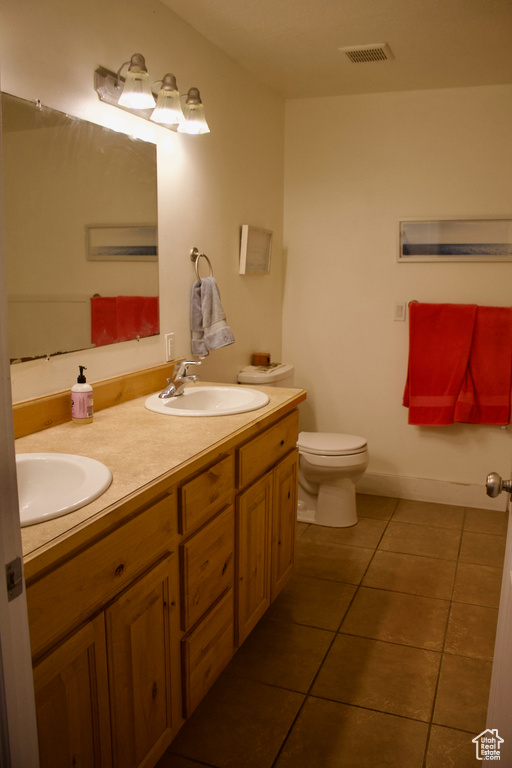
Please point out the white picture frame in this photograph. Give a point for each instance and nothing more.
(455, 240)
(122, 243)
(255, 250)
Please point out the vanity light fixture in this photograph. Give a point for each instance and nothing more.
(134, 94)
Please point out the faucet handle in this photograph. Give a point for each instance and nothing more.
(180, 369)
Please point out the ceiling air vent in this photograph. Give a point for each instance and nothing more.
(358, 54)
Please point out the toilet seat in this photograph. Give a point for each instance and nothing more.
(330, 444)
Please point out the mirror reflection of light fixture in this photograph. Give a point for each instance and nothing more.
(195, 122)
(134, 94)
(168, 109)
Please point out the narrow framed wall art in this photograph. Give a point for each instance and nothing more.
(455, 240)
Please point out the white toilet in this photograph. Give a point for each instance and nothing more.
(329, 466)
(329, 463)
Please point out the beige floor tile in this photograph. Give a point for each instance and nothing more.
(397, 618)
(486, 521)
(390, 678)
(413, 539)
(448, 748)
(471, 631)
(239, 724)
(332, 735)
(427, 513)
(478, 584)
(314, 602)
(462, 693)
(300, 528)
(482, 549)
(332, 561)
(378, 507)
(366, 533)
(415, 574)
(281, 653)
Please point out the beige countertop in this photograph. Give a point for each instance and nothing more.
(138, 446)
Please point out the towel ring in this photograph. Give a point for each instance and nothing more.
(195, 256)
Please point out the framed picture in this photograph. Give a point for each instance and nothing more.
(255, 250)
(123, 243)
(455, 240)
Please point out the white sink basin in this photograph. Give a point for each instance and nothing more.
(53, 484)
(209, 401)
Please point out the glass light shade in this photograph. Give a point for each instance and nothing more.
(137, 89)
(195, 121)
(168, 106)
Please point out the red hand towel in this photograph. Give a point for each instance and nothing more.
(440, 338)
(485, 392)
(103, 320)
(136, 316)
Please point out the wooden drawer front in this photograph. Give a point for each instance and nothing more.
(206, 652)
(265, 450)
(65, 596)
(206, 494)
(207, 566)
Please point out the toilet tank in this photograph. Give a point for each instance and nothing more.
(273, 375)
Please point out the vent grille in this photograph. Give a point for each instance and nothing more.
(359, 54)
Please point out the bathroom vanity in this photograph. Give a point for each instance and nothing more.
(139, 600)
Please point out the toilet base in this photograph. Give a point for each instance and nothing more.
(334, 507)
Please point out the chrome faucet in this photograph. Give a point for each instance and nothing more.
(180, 377)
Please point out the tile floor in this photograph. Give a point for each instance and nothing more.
(376, 654)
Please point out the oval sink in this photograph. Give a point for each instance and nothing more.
(53, 484)
(209, 401)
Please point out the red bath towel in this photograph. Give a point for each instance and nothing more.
(440, 337)
(484, 397)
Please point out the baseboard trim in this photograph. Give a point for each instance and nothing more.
(422, 489)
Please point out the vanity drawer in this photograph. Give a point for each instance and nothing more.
(256, 456)
(206, 494)
(207, 566)
(62, 598)
(206, 651)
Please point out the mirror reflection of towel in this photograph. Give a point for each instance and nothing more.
(208, 325)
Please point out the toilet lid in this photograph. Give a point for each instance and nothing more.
(330, 443)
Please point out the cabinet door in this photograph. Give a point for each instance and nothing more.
(71, 691)
(140, 627)
(254, 508)
(284, 514)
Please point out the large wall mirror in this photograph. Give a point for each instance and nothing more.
(80, 232)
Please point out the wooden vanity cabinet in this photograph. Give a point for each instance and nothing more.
(130, 627)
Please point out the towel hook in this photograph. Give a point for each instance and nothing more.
(195, 256)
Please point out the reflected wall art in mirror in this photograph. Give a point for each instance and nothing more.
(80, 232)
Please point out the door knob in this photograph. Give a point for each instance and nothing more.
(495, 485)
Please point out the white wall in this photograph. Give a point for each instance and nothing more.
(353, 169)
(208, 186)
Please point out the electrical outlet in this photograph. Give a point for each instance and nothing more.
(169, 347)
(400, 311)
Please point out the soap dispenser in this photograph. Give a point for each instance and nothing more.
(81, 399)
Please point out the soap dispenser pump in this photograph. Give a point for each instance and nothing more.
(81, 399)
